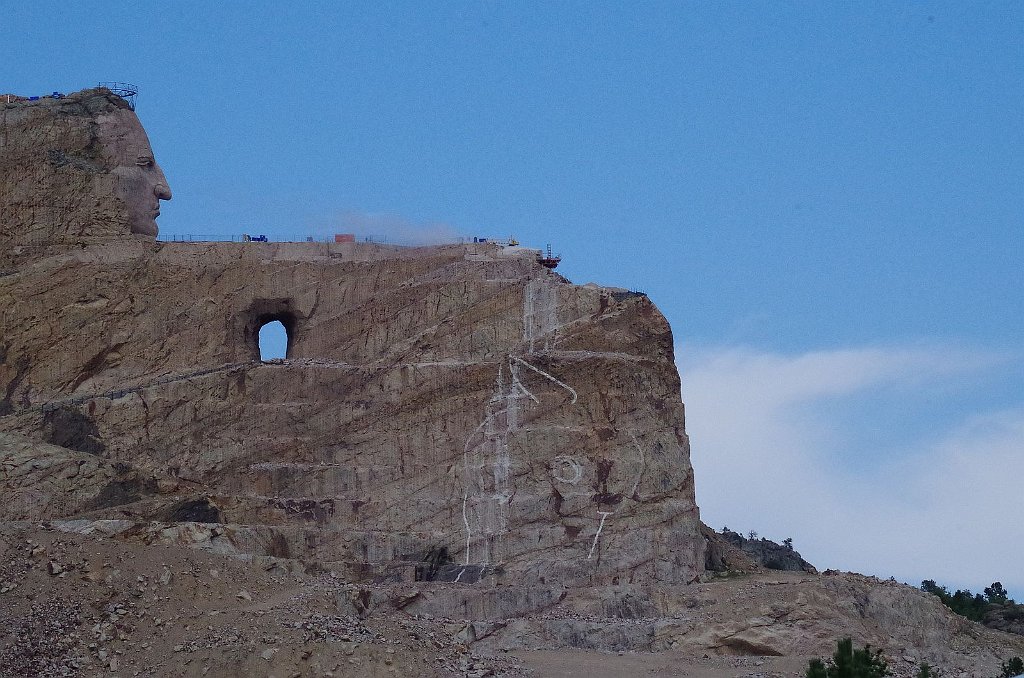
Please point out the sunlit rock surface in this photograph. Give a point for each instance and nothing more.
(439, 400)
(451, 412)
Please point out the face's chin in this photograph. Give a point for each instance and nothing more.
(145, 227)
(142, 213)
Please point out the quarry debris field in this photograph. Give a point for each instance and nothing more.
(466, 464)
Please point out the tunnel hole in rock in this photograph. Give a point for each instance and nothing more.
(273, 340)
(270, 329)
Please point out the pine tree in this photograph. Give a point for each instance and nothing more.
(850, 663)
(816, 669)
(996, 593)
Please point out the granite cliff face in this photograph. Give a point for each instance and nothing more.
(455, 412)
(453, 405)
(457, 432)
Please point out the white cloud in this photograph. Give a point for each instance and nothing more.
(771, 452)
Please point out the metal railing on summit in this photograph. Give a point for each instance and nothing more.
(125, 90)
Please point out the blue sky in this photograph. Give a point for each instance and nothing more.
(825, 199)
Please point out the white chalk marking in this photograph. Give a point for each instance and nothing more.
(516, 384)
(544, 374)
(487, 420)
(604, 516)
(570, 464)
(503, 402)
(465, 520)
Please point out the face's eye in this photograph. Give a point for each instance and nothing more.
(144, 161)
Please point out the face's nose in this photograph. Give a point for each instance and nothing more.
(162, 191)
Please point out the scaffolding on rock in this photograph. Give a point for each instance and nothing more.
(549, 261)
(125, 90)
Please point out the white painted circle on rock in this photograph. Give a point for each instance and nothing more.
(565, 469)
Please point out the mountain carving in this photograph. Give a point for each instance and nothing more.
(457, 431)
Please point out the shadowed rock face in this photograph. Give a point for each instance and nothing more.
(450, 413)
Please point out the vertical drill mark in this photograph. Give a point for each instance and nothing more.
(550, 319)
(643, 465)
(540, 314)
(465, 520)
(528, 316)
(604, 516)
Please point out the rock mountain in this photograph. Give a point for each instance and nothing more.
(457, 431)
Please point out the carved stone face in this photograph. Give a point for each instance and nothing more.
(140, 181)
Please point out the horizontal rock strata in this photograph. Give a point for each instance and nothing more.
(448, 412)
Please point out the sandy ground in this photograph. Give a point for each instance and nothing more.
(581, 664)
(86, 606)
(83, 605)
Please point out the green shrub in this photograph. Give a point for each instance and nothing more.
(1012, 667)
(816, 669)
(849, 663)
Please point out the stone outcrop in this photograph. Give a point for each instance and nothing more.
(730, 551)
(41, 480)
(720, 555)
